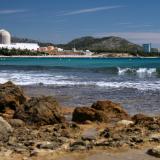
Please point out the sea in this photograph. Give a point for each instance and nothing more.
(132, 82)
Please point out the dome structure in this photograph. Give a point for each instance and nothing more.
(5, 37)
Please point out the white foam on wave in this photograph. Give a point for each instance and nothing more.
(141, 72)
(27, 78)
(141, 85)
(145, 71)
(122, 71)
(135, 85)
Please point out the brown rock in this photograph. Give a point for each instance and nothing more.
(112, 110)
(11, 97)
(144, 120)
(82, 114)
(101, 111)
(42, 111)
(154, 151)
(5, 130)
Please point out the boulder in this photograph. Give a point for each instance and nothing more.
(151, 123)
(41, 111)
(112, 110)
(11, 97)
(142, 119)
(83, 114)
(154, 151)
(101, 111)
(5, 130)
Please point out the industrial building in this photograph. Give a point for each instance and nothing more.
(5, 37)
(147, 48)
(5, 42)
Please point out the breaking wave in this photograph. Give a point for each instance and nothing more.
(139, 71)
(60, 80)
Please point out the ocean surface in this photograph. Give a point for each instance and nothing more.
(134, 82)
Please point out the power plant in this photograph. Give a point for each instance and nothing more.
(5, 37)
(5, 42)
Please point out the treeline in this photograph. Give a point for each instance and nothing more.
(17, 52)
(131, 52)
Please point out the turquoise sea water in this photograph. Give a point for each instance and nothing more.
(135, 82)
(84, 62)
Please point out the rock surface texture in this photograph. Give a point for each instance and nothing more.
(5, 130)
(42, 111)
(102, 111)
(11, 98)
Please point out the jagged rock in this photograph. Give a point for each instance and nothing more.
(154, 151)
(112, 110)
(11, 97)
(151, 123)
(42, 111)
(5, 130)
(82, 114)
(142, 119)
(102, 111)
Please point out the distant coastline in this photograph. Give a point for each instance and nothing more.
(75, 56)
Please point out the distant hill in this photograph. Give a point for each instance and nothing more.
(90, 43)
(102, 44)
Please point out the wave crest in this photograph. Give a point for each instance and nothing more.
(139, 71)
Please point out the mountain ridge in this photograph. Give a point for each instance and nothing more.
(110, 43)
(103, 44)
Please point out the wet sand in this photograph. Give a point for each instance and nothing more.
(128, 155)
(91, 155)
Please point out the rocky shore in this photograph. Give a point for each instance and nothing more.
(38, 127)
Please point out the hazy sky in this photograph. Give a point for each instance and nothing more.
(60, 21)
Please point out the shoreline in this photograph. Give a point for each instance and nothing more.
(71, 56)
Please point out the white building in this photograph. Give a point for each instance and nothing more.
(88, 53)
(60, 50)
(21, 46)
(5, 42)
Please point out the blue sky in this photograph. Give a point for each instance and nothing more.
(60, 21)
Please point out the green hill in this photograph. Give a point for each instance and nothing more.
(102, 44)
(90, 43)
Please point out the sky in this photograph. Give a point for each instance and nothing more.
(60, 21)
